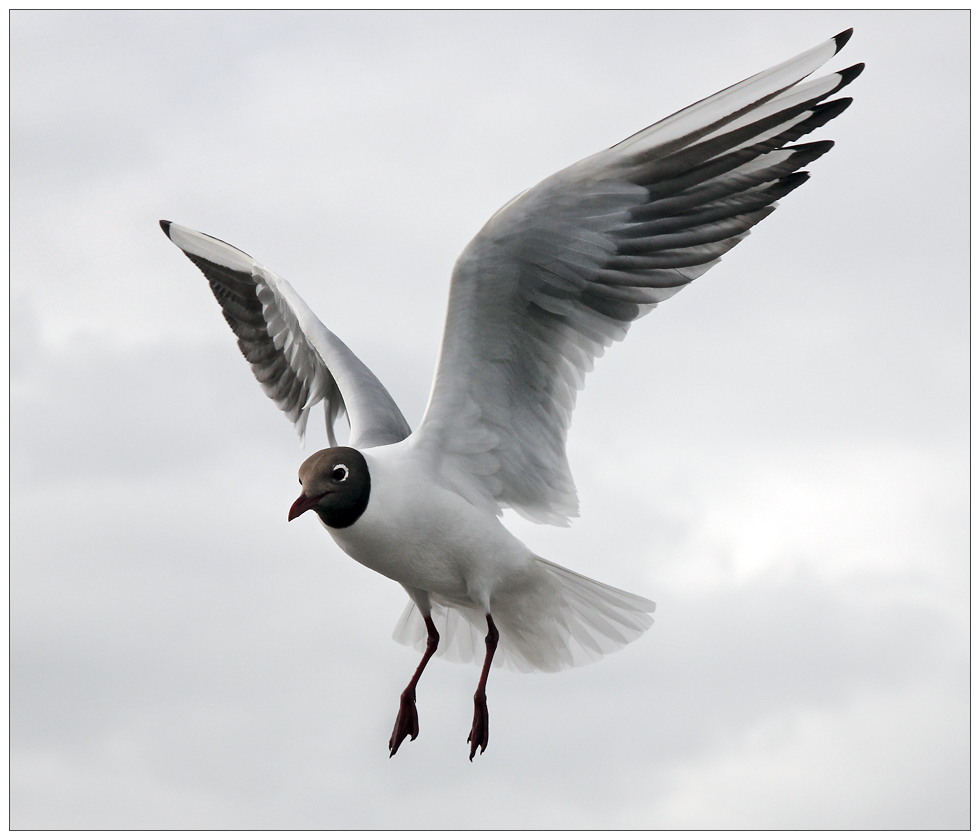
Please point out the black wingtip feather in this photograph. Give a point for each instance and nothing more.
(826, 111)
(791, 182)
(842, 38)
(817, 147)
(165, 225)
(849, 74)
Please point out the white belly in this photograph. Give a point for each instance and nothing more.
(426, 537)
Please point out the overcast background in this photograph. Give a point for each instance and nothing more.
(777, 456)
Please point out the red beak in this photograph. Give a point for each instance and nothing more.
(302, 505)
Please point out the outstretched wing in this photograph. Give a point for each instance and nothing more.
(296, 359)
(561, 272)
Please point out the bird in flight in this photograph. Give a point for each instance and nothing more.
(554, 277)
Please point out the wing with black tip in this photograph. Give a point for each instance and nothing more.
(560, 273)
(296, 359)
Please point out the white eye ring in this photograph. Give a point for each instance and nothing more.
(339, 472)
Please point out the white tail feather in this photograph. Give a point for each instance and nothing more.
(558, 619)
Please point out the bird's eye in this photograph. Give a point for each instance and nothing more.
(339, 473)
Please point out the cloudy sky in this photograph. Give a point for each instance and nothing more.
(777, 456)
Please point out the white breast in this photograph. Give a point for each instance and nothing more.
(424, 536)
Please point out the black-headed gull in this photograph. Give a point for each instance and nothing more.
(556, 275)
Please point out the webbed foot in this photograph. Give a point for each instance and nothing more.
(406, 724)
(480, 733)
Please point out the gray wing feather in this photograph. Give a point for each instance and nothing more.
(560, 273)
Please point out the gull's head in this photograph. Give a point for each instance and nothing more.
(336, 484)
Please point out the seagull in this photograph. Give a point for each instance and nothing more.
(554, 277)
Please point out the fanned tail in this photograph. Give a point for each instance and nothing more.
(557, 619)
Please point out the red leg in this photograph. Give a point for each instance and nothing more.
(480, 733)
(407, 722)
